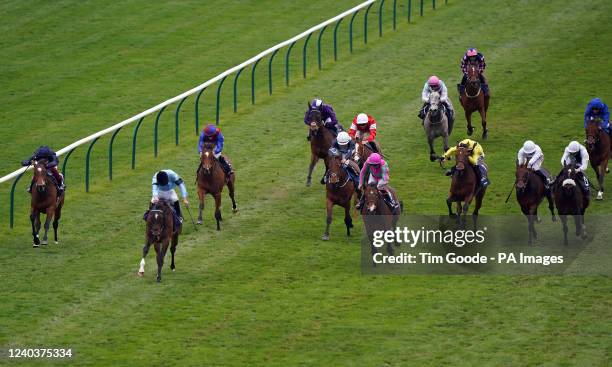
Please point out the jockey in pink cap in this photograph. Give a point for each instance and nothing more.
(375, 171)
(472, 56)
(435, 84)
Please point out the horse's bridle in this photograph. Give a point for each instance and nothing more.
(157, 236)
(470, 81)
(208, 171)
(524, 181)
(336, 175)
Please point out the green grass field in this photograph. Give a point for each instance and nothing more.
(266, 290)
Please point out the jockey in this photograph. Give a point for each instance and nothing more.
(364, 128)
(211, 134)
(46, 153)
(476, 158)
(531, 154)
(376, 171)
(577, 153)
(344, 146)
(328, 115)
(596, 109)
(163, 184)
(434, 84)
(473, 56)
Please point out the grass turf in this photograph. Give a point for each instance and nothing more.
(266, 290)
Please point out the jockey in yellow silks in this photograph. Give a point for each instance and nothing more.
(476, 158)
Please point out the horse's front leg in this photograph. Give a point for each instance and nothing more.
(328, 219)
(161, 252)
(173, 249)
(231, 188)
(218, 217)
(313, 160)
(483, 118)
(449, 203)
(48, 219)
(348, 221)
(564, 222)
(468, 117)
(600, 173)
(432, 152)
(201, 194)
(34, 219)
(551, 205)
(445, 139)
(145, 251)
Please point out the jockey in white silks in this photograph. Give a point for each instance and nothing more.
(531, 154)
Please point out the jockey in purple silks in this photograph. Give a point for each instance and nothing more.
(211, 134)
(328, 115)
(473, 56)
(596, 109)
(46, 153)
(376, 171)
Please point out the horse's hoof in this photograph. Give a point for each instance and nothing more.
(173, 269)
(199, 222)
(325, 237)
(432, 157)
(470, 131)
(158, 280)
(308, 183)
(56, 242)
(452, 215)
(235, 210)
(600, 195)
(35, 245)
(485, 134)
(554, 218)
(538, 220)
(141, 273)
(44, 242)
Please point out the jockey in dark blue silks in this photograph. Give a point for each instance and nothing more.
(328, 116)
(211, 134)
(472, 56)
(575, 153)
(46, 153)
(596, 109)
(344, 147)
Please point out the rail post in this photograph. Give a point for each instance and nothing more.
(270, 71)
(176, 121)
(319, 45)
(304, 57)
(253, 81)
(365, 23)
(110, 154)
(287, 63)
(87, 158)
(155, 131)
(380, 17)
(351, 31)
(197, 111)
(133, 143)
(236, 90)
(219, 99)
(336, 39)
(12, 203)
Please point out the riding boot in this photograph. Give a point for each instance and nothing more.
(545, 177)
(485, 89)
(177, 210)
(324, 179)
(308, 137)
(227, 168)
(361, 202)
(391, 200)
(584, 187)
(484, 180)
(423, 111)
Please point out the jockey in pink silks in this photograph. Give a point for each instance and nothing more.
(375, 171)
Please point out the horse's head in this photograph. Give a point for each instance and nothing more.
(372, 198)
(334, 163)
(567, 178)
(473, 74)
(593, 130)
(40, 175)
(434, 106)
(314, 117)
(156, 221)
(522, 177)
(461, 158)
(207, 159)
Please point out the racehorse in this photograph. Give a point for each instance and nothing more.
(377, 215)
(160, 231)
(339, 191)
(569, 200)
(436, 124)
(530, 191)
(210, 179)
(598, 147)
(362, 152)
(321, 139)
(464, 187)
(44, 200)
(473, 99)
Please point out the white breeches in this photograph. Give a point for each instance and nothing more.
(169, 195)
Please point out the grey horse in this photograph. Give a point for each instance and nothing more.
(436, 124)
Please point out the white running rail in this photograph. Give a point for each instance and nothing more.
(198, 88)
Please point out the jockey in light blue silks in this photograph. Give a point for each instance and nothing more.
(344, 147)
(211, 134)
(163, 185)
(596, 109)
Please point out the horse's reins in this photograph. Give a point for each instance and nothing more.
(163, 226)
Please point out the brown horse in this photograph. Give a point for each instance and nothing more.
(377, 215)
(160, 232)
(44, 200)
(598, 147)
(464, 187)
(363, 151)
(569, 200)
(473, 99)
(339, 191)
(321, 139)
(210, 179)
(530, 191)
